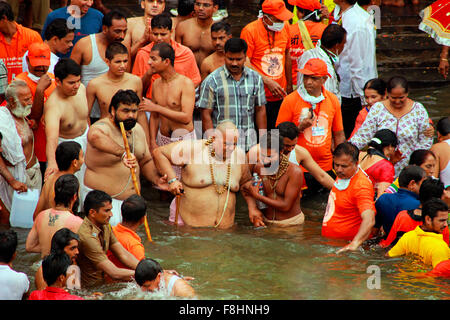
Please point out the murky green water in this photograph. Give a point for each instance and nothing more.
(244, 263)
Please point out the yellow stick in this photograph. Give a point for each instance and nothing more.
(133, 177)
(178, 210)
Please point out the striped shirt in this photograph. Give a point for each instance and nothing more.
(234, 100)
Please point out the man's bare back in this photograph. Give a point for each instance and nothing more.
(198, 38)
(103, 89)
(105, 171)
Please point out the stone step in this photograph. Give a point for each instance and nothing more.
(410, 42)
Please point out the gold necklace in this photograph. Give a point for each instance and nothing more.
(211, 154)
(284, 164)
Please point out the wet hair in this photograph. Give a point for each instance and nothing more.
(332, 35)
(236, 45)
(430, 188)
(377, 84)
(65, 67)
(165, 51)
(351, 2)
(161, 21)
(66, 186)
(386, 137)
(410, 173)
(185, 7)
(221, 25)
(115, 48)
(95, 200)
(65, 153)
(288, 130)
(443, 126)
(57, 28)
(61, 239)
(419, 156)
(397, 81)
(147, 270)
(270, 139)
(55, 265)
(431, 208)
(133, 208)
(6, 11)
(364, 2)
(8, 245)
(347, 148)
(128, 97)
(112, 15)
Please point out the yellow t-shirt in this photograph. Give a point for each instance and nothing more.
(429, 246)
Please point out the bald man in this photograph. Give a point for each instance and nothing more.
(213, 171)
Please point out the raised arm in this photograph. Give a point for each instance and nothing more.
(313, 168)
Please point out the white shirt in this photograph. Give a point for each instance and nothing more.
(332, 84)
(53, 60)
(13, 284)
(357, 62)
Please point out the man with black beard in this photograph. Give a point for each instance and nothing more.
(61, 215)
(107, 164)
(282, 182)
(19, 167)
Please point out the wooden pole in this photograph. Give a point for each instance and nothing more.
(177, 210)
(133, 176)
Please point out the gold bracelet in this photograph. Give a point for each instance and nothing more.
(444, 59)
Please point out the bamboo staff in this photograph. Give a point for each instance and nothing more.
(133, 176)
(177, 210)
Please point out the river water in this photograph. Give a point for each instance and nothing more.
(244, 263)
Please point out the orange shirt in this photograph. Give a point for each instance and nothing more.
(12, 53)
(185, 63)
(130, 241)
(315, 30)
(342, 217)
(267, 55)
(317, 138)
(40, 139)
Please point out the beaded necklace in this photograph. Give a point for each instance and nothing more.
(211, 154)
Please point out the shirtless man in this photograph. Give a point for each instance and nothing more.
(296, 154)
(282, 182)
(89, 52)
(195, 33)
(214, 170)
(116, 78)
(220, 33)
(139, 30)
(185, 11)
(19, 168)
(107, 166)
(173, 98)
(60, 216)
(66, 113)
(69, 158)
(441, 150)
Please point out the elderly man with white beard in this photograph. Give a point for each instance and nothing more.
(19, 168)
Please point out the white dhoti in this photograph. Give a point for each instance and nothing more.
(116, 206)
(34, 177)
(13, 152)
(82, 140)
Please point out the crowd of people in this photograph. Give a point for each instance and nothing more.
(287, 110)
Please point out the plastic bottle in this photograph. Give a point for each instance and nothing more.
(256, 181)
